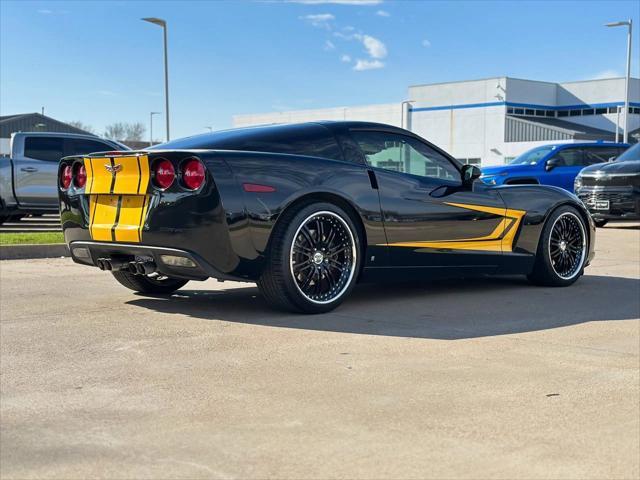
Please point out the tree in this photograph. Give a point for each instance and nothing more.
(115, 131)
(134, 131)
(82, 126)
(125, 131)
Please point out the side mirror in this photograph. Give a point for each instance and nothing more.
(470, 173)
(551, 164)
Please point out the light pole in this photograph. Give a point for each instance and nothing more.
(163, 24)
(209, 128)
(625, 119)
(151, 114)
(403, 115)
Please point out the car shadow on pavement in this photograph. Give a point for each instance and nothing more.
(446, 310)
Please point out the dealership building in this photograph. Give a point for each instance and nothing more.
(491, 121)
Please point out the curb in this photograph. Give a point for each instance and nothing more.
(45, 250)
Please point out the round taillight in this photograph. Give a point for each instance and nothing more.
(66, 177)
(163, 173)
(192, 173)
(79, 175)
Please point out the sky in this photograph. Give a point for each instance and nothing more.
(98, 63)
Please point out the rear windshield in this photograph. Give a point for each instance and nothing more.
(633, 153)
(308, 139)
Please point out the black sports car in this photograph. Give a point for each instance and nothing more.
(611, 191)
(307, 210)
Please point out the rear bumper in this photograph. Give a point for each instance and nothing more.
(88, 252)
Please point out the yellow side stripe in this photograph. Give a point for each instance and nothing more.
(499, 240)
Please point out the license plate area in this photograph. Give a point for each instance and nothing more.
(601, 205)
(117, 218)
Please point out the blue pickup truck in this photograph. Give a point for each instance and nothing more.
(556, 164)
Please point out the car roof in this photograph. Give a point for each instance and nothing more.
(598, 143)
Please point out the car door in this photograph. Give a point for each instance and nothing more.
(567, 163)
(430, 218)
(36, 171)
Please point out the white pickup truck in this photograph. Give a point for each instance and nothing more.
(28, 178)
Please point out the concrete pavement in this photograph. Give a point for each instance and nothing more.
(457, 379)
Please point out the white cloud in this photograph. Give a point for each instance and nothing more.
(606, 74)
(337, 2)
(345, 58)
(320, 20)
(375, 48)
(383, 13)
(426, 43)
(367, 65)
(329, 45)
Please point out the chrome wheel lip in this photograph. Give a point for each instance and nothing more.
(354, 257)
(583, 250)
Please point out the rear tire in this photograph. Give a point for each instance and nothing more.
(146, 284)
(562, 249)
(600, 223)
(313, 259)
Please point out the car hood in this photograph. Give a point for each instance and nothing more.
(632, 166)
(507, 169)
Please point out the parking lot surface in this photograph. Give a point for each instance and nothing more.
(484, 378)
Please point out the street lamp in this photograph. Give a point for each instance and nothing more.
(151, 114)
(403, 115)
(163, 24)
(628, 24)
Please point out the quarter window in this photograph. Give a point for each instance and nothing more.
(405, 154)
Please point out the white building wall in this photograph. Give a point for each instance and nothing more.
(386, 113)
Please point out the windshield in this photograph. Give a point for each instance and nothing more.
(633, 153)
(532, 156)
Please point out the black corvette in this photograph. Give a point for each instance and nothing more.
(307, 210)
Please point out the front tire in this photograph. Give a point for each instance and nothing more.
(562, 250)
(146, 284)
(313, 259)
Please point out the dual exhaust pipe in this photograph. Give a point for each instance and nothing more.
(137, 268)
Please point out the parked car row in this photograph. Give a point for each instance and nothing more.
(604, 175)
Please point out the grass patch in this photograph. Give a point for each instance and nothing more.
(15, 238)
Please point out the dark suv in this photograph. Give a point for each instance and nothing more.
(611, 191)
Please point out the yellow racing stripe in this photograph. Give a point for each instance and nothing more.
(499, 240)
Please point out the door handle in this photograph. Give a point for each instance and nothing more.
(29, 169)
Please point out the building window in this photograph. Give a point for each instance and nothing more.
(550, 113)
(518, 111)
(613, 109)
(588, 111)
(563, 113)
(510, 110)
(636, 110)
(529, 111)
(575, 113)
(601, 111)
